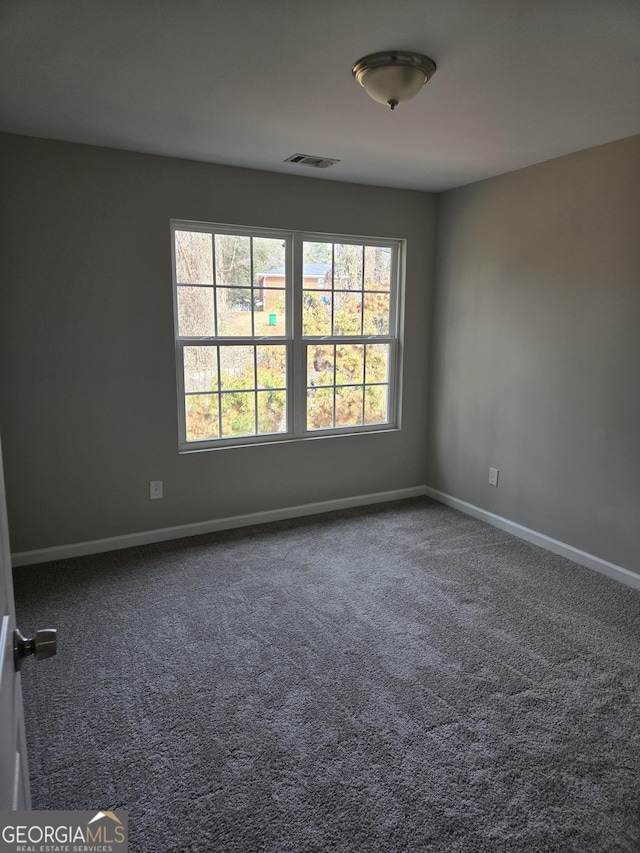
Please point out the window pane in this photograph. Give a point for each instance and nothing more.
(195, 312)
(376, 314)
(269, 316)
(236, 368)
(320, 361)
(316, 313)
(234, 312)
(200, 369)
(194, 258)
(375, 404)
(349, 364)
(349, 406)
(201, 416)
(238, 413)
(272, 411)
(269, 260)
(319, 408)
(377, 268)
(347, 273)
(347, 318)
(377, 369)
(272, 366)
(317, 265)
(233, 260)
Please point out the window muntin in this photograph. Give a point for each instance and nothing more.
(250, 367)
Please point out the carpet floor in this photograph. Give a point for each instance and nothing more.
(393, 678)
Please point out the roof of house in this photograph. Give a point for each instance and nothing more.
(307, 270)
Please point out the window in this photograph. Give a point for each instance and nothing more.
(283, 335)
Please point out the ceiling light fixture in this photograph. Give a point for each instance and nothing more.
(393, 76)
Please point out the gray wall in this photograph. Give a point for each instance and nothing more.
(87, 368)
(534, 368)
(536, 349)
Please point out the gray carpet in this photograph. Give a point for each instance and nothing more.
(395, 678)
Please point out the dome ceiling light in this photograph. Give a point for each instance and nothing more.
(393, 76)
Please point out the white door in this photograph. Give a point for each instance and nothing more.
(14, 774)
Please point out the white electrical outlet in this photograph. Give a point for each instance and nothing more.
(493, 476)
(155, 490)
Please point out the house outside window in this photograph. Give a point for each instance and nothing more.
(283, 335)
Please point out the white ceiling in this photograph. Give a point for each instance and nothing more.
(250, 82)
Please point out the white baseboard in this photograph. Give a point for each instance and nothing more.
(130, 540)
(115, 543)
(610, 569)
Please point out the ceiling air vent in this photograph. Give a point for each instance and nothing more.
(310, 160)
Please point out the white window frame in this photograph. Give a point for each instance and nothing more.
(293, 340)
